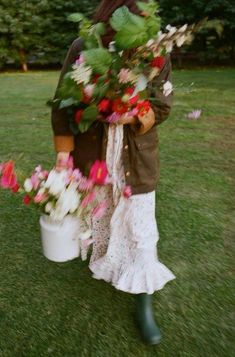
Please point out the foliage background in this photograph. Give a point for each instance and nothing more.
(36, 32)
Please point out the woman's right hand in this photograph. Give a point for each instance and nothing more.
(62, 161)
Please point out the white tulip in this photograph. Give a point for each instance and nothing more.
(167, 88)
(180, 40)
(28, 185)
(141, 84)
(48, 207)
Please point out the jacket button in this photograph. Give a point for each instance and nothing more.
(128, 173)
(126, 147)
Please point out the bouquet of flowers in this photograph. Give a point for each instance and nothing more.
(106, 83)
(67, 200)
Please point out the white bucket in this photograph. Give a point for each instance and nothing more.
(60, 240)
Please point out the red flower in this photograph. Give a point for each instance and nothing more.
(127, 192)
(78, 116)
(158, 62)
(119, 106)
(129, 90)
(8, 179)
(98, 172)
(96, 77)
(104, 105)
(143, 107)
(85, 98)
(15, 188)
(27, 200)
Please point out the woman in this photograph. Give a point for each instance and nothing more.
(124, 250)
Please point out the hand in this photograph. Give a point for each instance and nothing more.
(61, 161)
(125, 119)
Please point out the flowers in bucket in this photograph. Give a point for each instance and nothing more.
(106, 83)
(58, 194)
(67, 201)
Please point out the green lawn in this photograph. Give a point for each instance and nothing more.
(59, 310)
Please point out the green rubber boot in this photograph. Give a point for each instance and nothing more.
(145, 319)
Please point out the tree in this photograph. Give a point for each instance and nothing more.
(37, 29)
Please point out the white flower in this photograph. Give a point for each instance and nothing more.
(150, 43)
(112, 47)
(81, 73)
(141, 84)
(126, 75)
(169, 46)
(56, 182)
(167, 88)
(160, 36)
(69, 200)
(183, 28)
(180, 40)
(48, 207)
(28, 185)
(171, 30)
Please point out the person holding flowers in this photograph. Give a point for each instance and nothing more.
(123, 93)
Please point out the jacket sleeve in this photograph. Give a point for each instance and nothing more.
(63, 136)
(161, 104)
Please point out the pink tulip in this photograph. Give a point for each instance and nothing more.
(40, 197)
(35, 181)
(88, 199)
(85, 184)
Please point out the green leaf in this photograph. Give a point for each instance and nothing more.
(67, 103)
(122, 18)
(99, 59)
(99, 29)
(88, 117)
(100, 91)
(126, 40)
(69, 89)
(76, 17)
(131, 29)
(150, 8)
(90, 113)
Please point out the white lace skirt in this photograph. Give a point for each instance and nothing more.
(124, 251)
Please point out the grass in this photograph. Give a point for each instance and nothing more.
(59, 310)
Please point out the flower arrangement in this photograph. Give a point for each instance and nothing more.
(60, 193)
(106, 83)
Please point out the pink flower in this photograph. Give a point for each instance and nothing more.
(99, 210)
(113, 118)
(88, 199)
(127, 192)
(85, 184)
(35, 181)
(80, 60)
(195, 114)
(40, 197)
(99, 172)
(89, 90)
(8, 179)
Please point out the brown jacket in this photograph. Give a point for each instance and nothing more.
(140, 146)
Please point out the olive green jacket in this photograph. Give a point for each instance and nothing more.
(140, 146)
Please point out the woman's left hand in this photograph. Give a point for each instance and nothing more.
(125, 119)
